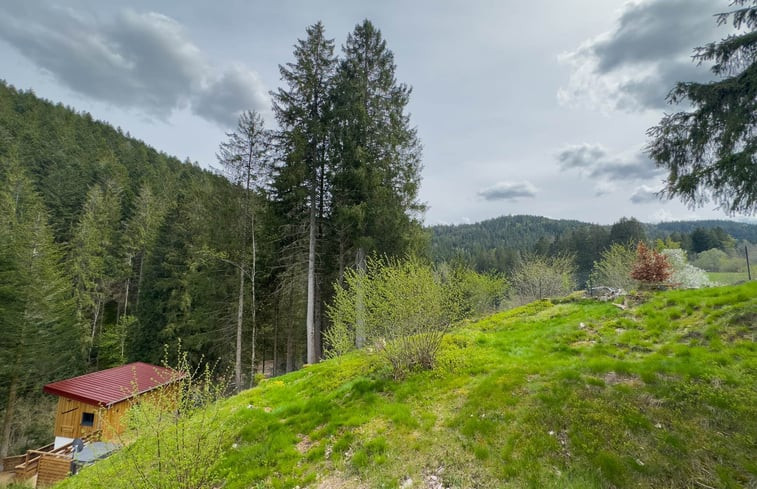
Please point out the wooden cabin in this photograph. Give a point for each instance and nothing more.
(97, 401)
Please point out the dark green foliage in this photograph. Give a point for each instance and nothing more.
(627, 231)
(376, 153)
(40, 335)
(709, 151)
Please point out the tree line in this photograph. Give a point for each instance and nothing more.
(502, 244)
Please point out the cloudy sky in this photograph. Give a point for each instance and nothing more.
(536, 107)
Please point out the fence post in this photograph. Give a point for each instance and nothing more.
(748, 269)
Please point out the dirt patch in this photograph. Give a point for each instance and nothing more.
(337, 481)
(613, 378)
(304, 444)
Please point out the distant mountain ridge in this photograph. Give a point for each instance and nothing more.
(523, 232)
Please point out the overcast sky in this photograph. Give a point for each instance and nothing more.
(536, 107)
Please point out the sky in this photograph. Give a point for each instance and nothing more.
(536, 107)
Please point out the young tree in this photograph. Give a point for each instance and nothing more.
(244, 157)
(539, 277)
(709, 151)
(406, 309)
(651, 268)
(303, 110)
(614, 267)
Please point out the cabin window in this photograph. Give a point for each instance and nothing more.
(87, 419)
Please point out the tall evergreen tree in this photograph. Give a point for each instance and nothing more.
(39, 337)
(92, 261)
(302, 110)
(709, 151)
(376, 152)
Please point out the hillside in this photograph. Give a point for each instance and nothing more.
(488, 243)
(566, 394)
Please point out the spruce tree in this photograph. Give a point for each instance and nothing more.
(709, 151)
(303, 110)
(244, 156)
(40, 338)
(376, 151)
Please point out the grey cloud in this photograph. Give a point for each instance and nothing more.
(581, 156)
(133, 60)
(223, 100)
(508, 191)
(634, 66)
(653, 31)
(650, 92)
(644, 195)
(641, 168)
(594, 160)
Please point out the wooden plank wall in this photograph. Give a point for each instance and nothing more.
(52, 469)
(68, 418)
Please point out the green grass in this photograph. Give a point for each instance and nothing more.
(729, 278)
(571, 395)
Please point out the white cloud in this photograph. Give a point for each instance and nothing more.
(595, 161)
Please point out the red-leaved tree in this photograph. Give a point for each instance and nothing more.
(651, 267)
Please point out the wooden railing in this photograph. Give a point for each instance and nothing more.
(30, 461)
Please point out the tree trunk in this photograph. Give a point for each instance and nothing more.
(309, 320)
(139, 279)
(360, 332)
(240, 317)
(275, 368)
(253, 305)
(10, 411)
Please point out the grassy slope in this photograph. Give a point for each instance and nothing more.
(660, 395)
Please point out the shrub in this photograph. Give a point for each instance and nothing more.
(651, 268)
(614, 267)
(539, 277)
(178, 433)
(475, 294)
(683, 274)
(397, 306)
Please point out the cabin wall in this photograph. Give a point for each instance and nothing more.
(69, 414)
(69, 418)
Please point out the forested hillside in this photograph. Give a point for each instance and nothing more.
(501, 243)
(111, 250)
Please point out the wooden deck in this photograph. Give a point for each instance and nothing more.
(48, 464)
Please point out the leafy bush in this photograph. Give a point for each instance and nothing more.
(475, 294)
(651, 268)
(400, 307)
(683, 274)
(614, 267)
(539, 277)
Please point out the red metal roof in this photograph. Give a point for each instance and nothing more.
(108, 387)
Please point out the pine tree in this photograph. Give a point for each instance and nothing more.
(302, 110)
(709, 151)
(92, 255)
(376, 152)
(40, 338)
